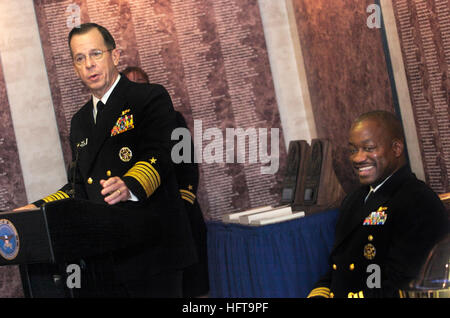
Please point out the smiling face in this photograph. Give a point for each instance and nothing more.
(374, 153)
(97, 75)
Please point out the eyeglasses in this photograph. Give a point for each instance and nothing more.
(96, 55)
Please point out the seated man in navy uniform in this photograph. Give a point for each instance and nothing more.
(195, 277)
(121, 144)
(387, 227)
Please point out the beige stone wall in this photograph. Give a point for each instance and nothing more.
(29, 98)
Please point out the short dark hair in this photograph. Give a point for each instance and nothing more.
(388, 119)
(86, 27)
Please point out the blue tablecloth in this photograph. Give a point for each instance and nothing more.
(276, 260)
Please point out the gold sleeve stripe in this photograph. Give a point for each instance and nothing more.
(151, 169)
(142, 182)
(148, 186)
(56, 196)
(155, 174)
(146, 175)
(321, 294)
(150, 178)
(187, 198)
(320, 291)
(62, 195)
(149, 173)
(187, 193)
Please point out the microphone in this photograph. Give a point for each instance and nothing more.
(73, 171)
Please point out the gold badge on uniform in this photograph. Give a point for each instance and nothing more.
(82, 143)
(369, 251)
(125, 154)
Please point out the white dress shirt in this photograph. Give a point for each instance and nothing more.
(373, 190)
(104, 99)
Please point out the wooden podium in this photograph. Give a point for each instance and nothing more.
(67, 230)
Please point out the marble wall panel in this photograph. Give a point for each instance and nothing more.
(345, 69)
(424, 31)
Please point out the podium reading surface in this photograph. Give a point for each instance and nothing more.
(67, 230)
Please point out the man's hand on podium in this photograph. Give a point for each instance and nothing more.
(114, 190)
(26, 207)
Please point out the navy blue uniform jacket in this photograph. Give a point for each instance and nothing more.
(395, 230)
(131, 139)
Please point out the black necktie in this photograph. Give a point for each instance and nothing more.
(100, 108)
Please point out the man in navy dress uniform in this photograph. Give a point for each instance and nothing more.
(120, 141)
(387, 227)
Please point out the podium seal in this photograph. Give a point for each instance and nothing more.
(9, 240)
